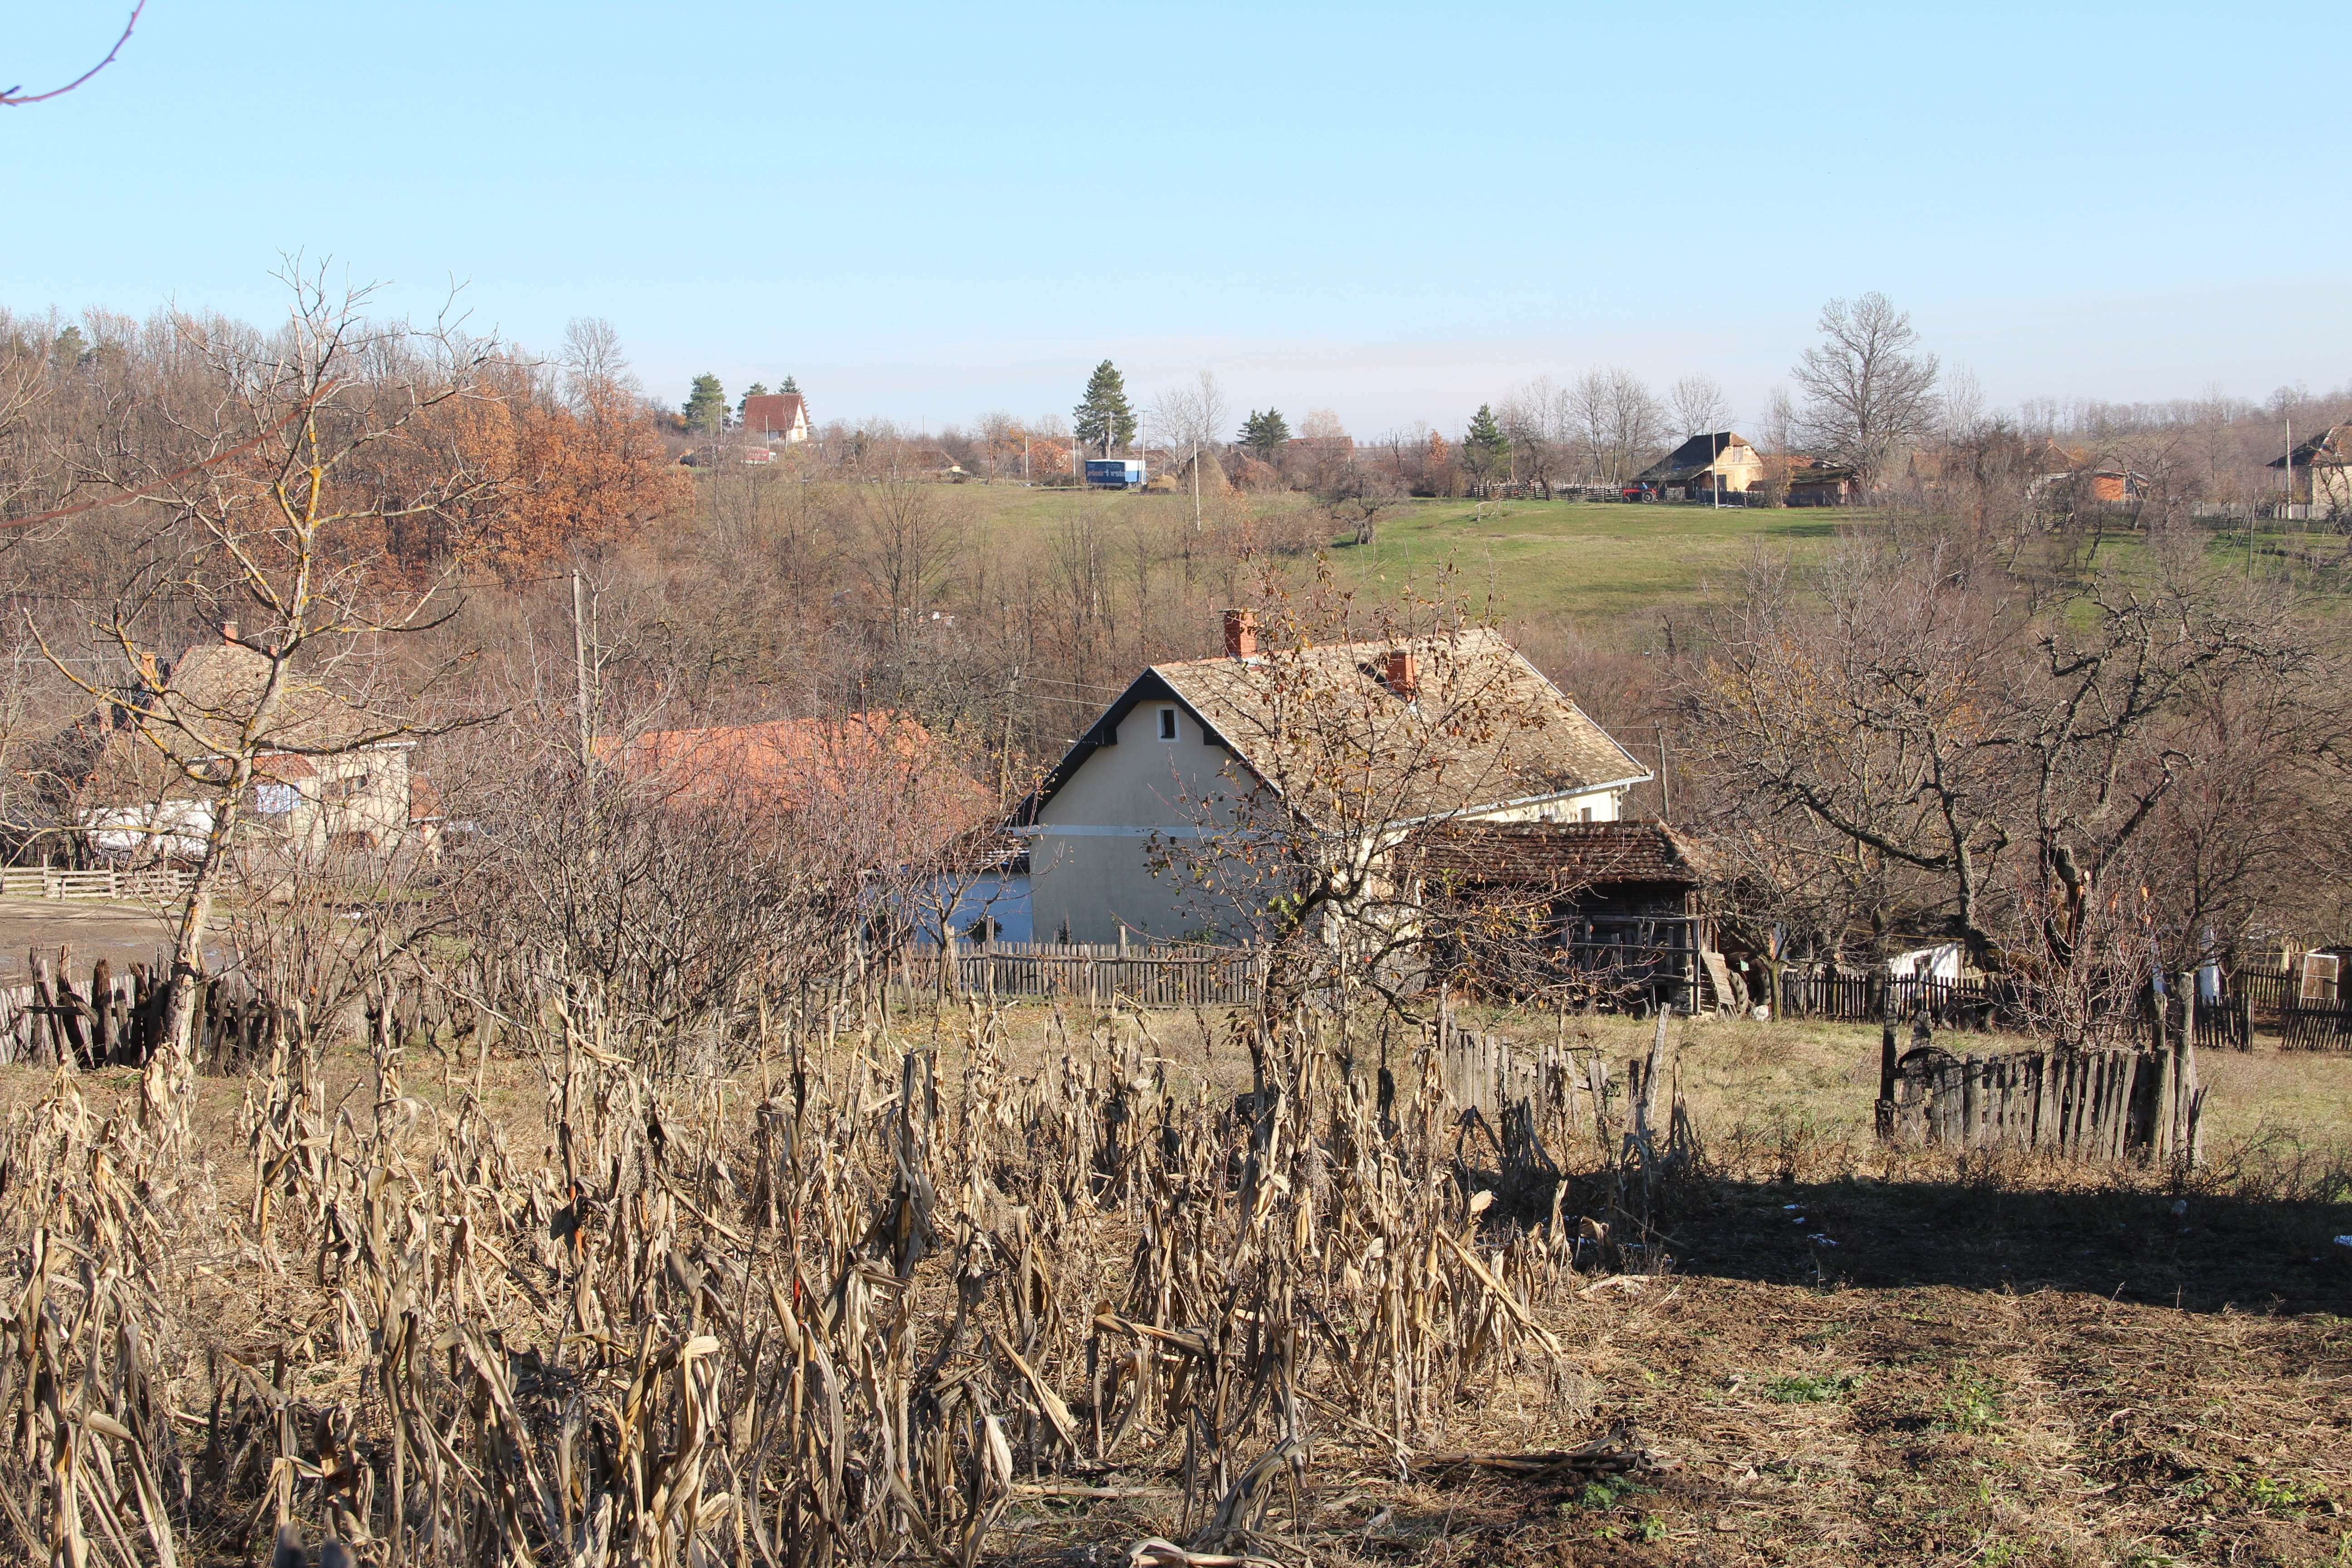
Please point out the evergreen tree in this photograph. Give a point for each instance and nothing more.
(706, 406)
(1265, 433)
(757, 389)
(1486, 450)
(1103, 418)
(789, 385)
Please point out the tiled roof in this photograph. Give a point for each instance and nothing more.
(798, 762)
(1483, 728)
(774, 413)
(1567, 854)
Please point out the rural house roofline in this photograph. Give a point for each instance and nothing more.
(1583, 759)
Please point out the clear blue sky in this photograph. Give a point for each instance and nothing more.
(1395, 212)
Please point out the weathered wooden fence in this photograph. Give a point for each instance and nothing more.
(153, 885)
(1855, 994)
(114, 1017)
(1092, 974)
(2314, 1026)
(2099, 1105)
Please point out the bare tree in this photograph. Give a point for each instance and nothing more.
(1190, 420)
(1867, 387)
(594, 367)
(1700, 406)
(278, 529)
(1962, 763)
(1535, 417)
(1617, 419)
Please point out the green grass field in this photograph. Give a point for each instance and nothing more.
(1589, 560)
(1596, 563)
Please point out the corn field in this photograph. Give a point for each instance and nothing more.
(844, 1307)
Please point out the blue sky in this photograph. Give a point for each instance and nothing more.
(925, 212)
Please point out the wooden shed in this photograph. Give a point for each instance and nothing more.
(1627, 900)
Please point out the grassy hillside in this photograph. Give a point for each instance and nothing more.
(1597, 563)
(1592, 561)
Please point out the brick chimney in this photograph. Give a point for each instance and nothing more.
(228, 631)
(1403, 673)
(1241, 634)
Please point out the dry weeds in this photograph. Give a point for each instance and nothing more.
(1038, 1289)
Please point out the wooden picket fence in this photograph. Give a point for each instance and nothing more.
(1092, 974)
(2096, 1105)
(1851, 994)
(2314, 1026)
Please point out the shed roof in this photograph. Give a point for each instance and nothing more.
(1569, 855)
(2326, 450)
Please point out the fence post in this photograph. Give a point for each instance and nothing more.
(2184, 1082)
(1886, 1062)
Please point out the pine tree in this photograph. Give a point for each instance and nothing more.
(1486, 450)
(1265, 433)
(757, 389)
(706, 406)
(1103, 418)
(789, 385)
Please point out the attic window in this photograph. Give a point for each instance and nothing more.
(1168, 723)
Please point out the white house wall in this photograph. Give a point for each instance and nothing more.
(1089, 857)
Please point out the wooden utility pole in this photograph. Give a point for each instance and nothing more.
(1665, 784)
(580, 670)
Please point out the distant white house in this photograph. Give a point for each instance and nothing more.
(776, 416)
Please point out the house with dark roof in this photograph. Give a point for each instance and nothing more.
(1719, 460)
(2318, 472)
(1823, 484)
(1184, 735)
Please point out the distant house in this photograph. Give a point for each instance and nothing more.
(776, 416)
(1186, 732)
(1720, 460)
(2318, 472)
(318, 784)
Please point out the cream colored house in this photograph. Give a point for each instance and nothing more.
(2318, 472)
(1453, 728)
(322, 782)
(1721, 459)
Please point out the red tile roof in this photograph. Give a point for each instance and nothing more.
(774, 413)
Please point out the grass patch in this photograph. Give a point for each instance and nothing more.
(1809, 1388)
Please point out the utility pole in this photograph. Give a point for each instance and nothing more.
(1666, 781)
(1005, 743)
(580, 671)
(1196, 484)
